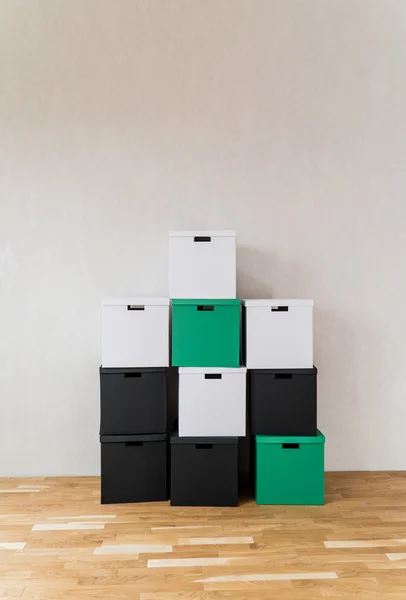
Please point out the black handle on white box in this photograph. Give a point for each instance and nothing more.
(134, 443)
(135, 307)
(290, 446)
(132, 375)
(205, 307)
(279, 308)
(202, 238)
(213, 376)
(204, 446)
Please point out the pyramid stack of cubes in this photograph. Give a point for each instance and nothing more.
(207, 327)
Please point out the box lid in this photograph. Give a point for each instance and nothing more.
(151, 437)
(121, 370)
(135, 301)
(206, 302)
(221, 370)
(175, 439)
(222, 233)
(312, 371)
(291, 439)
(263, 302)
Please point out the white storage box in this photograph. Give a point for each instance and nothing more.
(278, 334)
(212, 402)
(135, 332)
(202, 264)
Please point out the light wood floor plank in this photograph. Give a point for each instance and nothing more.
(350, 548)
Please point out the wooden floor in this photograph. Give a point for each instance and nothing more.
(58, 542)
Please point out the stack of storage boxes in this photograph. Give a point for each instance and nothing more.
(212, 385)
(288, 449)
(133, 384)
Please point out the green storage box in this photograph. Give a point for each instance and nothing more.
(289, 470)
(206, 333)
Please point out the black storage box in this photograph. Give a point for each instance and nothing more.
(204, 471)
(283, 401)
(133, 401)
(133, 468)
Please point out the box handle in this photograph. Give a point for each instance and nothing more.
(135, 307)
(204, 446)
(202, 238)
(134, 443)
(213, 376)
(283, 376)
(279, 308)
(290, 446)
(132, 375)
(205, 307)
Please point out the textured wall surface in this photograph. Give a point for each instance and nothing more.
(282, 119)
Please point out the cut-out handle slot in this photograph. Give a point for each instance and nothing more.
(279, 308)
(204, 446)
(134, 443)
(135, 307)
(213, 376)
(202, 238)
(205, 307)
(283, 376)
(290, 446)
(132, 375)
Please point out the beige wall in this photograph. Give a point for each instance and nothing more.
(120, 120)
